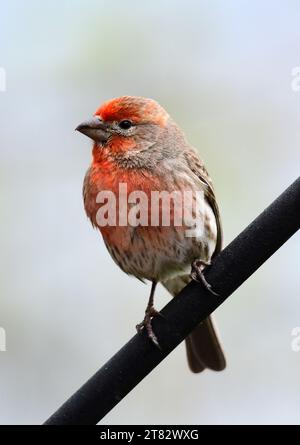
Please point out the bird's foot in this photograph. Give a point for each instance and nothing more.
(147, 324)
(197, 275)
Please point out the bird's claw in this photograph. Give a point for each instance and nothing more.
(147, 324)
(197, 275)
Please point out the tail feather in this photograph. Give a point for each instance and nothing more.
(195, 364)
(202, 345)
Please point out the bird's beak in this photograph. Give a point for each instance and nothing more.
(95, 129)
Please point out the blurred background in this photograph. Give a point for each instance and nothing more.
(223, 71)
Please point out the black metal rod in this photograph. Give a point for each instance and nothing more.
(237, 262)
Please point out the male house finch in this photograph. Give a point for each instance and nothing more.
(137, 143)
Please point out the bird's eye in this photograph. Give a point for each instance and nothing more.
(125, 124)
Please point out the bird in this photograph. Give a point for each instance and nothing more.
(136, 143)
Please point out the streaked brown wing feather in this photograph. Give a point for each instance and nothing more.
(198, 168)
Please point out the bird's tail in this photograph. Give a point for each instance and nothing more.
(202, 345)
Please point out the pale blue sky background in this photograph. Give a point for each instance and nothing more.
(223, 71)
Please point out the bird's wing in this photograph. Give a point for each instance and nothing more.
(196, 165)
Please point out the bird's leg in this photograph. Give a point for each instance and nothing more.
(197, 274)
(149, 313)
